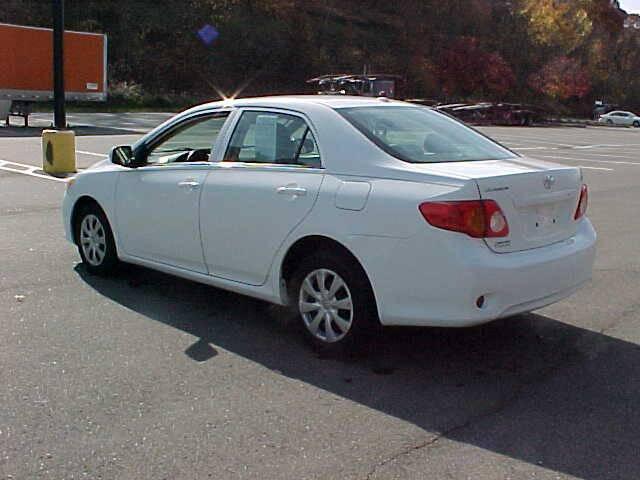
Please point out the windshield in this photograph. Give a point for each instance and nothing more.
(420, 135)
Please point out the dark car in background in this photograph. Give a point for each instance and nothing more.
(365, 85)
(388, 85)
(489, 113)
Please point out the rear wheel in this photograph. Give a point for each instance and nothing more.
(609, 121)
(334, 301)
(95, 240)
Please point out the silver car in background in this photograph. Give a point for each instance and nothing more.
(619, 117)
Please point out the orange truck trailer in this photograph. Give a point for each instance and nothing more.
(26, 68)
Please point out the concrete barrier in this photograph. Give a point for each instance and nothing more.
(58, 152)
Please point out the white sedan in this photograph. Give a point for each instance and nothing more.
(354, 212)
(620, 118)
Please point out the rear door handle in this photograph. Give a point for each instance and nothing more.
(190, 184)
(290, 190)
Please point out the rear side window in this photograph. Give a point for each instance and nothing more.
(273, 138)
(420, 135)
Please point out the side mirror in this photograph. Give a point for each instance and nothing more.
(122, 155)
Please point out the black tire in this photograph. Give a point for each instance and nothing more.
(636, 124)
(103, 261)
(609, 121)
(364, 323)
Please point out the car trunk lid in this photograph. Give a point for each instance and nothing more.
(538, 198)
(539, 205)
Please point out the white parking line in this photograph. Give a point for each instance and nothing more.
(589, 160)
(530, 140)
(83, 152)
(580, 147)
(29, 170)
(596, 168)
(611, 156)
(535, 148)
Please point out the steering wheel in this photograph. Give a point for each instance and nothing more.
(201, 155)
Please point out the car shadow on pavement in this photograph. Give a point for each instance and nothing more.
(530, 387)
(80, 131)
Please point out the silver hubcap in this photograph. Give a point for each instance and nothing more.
(325, 305)
(93, 240)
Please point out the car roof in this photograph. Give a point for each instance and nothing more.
(302, 101)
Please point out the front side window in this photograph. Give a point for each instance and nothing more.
(188, 142)
(274, 138)
(420, 135)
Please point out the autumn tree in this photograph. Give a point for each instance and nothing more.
(525, 50)
(562, 78)
(557, 24)
(467, 69)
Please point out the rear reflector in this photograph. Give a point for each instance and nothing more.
(583, 203)
(476, 218)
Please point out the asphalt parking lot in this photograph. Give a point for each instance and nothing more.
(145, 376)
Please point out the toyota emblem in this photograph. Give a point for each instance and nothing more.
(549, 181)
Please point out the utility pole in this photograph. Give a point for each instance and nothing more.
(58, 64)
(59, 145)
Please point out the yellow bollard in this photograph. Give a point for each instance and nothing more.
(58, 151)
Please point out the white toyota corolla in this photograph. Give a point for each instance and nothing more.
(355, 212)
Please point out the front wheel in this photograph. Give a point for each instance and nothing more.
(334, 301)
(636, 124)
(95, 241)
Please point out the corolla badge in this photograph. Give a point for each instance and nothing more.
(549, 181)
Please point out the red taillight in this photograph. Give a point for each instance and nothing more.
(476, 218)
(582, 203)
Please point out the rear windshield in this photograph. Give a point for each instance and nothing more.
(421, 135)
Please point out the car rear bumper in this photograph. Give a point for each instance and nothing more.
(442, 281)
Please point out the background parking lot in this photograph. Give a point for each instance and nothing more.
(148, 376)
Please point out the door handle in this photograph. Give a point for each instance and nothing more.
(290, 190)
(190, 184)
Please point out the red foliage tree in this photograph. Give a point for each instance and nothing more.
(562, 78)
(466, 69)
